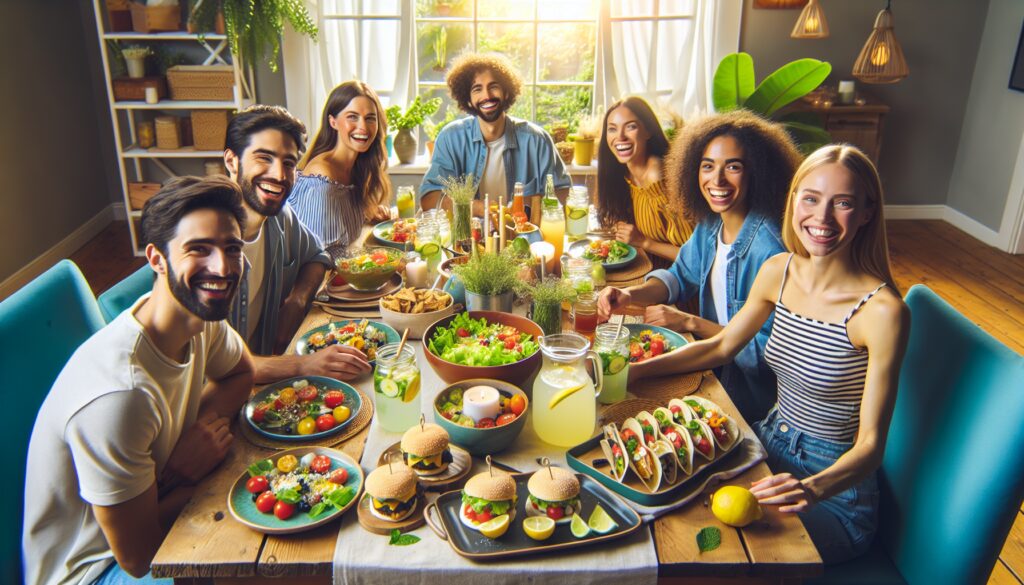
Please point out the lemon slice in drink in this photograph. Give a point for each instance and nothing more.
(600, 522)
(538, 527)
(562, 395)
(495, 527)
(579, 527)
(412, 389)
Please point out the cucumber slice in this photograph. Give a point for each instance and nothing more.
(615, 366)
(429, 249)
(388, 387)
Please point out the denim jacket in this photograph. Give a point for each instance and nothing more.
(529, 156)
(750, 382)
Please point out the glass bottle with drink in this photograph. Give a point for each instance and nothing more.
(518, 201)
(396, 388)
(612, 345)
(428, 243)
(564, 407)
(584, 314)
(577, 207)
(406, 202)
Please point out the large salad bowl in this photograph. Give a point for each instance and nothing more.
(514, 373)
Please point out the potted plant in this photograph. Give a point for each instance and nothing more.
(135, 60)
(461, 191)
(253, 26)
(441, 49)
(734, 87)
(583, 140)
(547, 297)
(434, 128)
(490, 280)
(407, 121)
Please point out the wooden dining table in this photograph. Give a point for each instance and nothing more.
(206, 544)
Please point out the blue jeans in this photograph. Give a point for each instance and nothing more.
(115, 575)
(842, 526)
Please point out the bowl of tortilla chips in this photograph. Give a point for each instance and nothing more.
(415, 309)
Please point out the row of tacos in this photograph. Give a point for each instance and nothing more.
(659, 447)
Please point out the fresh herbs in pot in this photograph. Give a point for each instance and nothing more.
(489, 274)
(548, 296)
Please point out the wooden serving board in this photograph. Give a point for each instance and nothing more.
(373, 524)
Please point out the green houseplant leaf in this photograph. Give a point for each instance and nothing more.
(788, 83)
(254, 27)
(733, 82)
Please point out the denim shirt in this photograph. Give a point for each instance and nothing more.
(750, 382)
(289, 247)
(529, 156)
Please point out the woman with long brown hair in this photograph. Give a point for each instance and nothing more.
(343, 180)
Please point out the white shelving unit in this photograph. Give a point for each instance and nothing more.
(123, 113)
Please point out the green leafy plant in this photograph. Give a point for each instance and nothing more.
(136, 52)
(434, 128)
(550, 290)
(413, 116)
(460, 190)
(490, 274)
(253, 26)
(441, 49)
(734, 87)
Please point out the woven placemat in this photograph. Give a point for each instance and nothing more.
(666, 388)
(363, 418)
(620, 411)
(632, 273)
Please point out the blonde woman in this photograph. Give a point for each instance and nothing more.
(836, 345)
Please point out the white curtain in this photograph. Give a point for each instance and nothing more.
(380, 51)
(671, 62)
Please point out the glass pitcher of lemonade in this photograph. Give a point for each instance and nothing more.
(564, 395)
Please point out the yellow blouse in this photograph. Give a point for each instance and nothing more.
(653, 217)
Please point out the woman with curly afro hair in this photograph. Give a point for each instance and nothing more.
(730, 172)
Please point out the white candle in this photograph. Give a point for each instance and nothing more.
(480, 402)
(487, 222)
(546, 252)
(151, 95)
(846, 92)
(416, 273)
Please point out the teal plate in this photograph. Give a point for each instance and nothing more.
(391, 336)
(378, 234)
(352, 400)
(577, 248)
(244, 509)
(674, 339)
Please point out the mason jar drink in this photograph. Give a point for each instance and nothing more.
(612, 346)
(428, 243)
(577, 209)
(396, 388)
(406, 202)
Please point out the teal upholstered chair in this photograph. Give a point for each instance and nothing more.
(124, 294)
(953, 475)
(41, 325)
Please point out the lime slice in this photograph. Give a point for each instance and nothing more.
(388, 387)
(616, 364)
(600, 522)
(577, 213)
(557, 398)
(429, 249)
(538, 527)
(495, 527)
(579, 527)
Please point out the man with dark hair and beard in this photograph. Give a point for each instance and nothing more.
(497, 149)
(142, 410)
(284, 261)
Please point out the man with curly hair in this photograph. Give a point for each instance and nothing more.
(497, 149)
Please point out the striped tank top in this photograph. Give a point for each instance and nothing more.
(328, 209)
(820, 372)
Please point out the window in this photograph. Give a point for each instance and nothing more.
(552, 45)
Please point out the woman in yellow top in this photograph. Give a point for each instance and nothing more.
(631, 192)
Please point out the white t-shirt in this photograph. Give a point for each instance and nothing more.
(103, 436)
(255, 253)
(493, 182)
(718, 270)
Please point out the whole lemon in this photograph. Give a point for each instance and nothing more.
(735, 506)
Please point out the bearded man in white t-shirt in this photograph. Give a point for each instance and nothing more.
(141, 412)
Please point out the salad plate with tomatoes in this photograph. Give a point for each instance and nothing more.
(304, 408)
(647, 341)
(365, 335)
(396, 232)
(295, 490)
(611, 253)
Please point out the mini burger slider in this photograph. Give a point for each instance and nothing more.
(392, 490)
(425, 449)
(486, 495)
(555, 493)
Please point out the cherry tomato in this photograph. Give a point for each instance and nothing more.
(556, 512)
(348, 328)
(306, 426)
(320, 464)
(484, 515)
(657, 347)
(278, 405)
(334, 398)
(675, 408)
(288, 396)
(283, 510)
(627, 434)
(510, 343)
(265, 503)
(308, 393)
(287, 463)
(339, 476)
(325, 422)
(517, 404)
(469, 513)
(257, 485)
(636, 351)
(703, 445)
(485, 423)
(504, 419)
(341, 413)
(259, 412)
(462, 332)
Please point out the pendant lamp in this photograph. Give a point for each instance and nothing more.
(811, 24)
(881, 60)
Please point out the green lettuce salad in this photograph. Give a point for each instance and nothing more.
(474, 342)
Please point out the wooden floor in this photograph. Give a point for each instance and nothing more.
(983, 283)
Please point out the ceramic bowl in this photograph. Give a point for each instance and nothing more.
(482, 441)
(416, 323)
(514, 373)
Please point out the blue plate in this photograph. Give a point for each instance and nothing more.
(577, 248)
(378, 234)
(671, 337)
(302, 345)
(323, 384)
(243, 508)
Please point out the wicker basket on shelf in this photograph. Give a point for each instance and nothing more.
(209, 129)
(168, 132)
(201, 82)
(134, 88)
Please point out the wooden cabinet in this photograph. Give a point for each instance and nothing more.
(860, 125)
